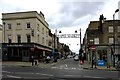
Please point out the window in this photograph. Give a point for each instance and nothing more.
(118, 39)
(19, 38)
(38, 27)
(18, 24)
(28, 38)
(47, 42)
(9, 39)
(9, 26)
(111, 40)
(96, 40)
(110, 28)
(47, 33)
(43, 40)
(28, 25)
(42, 30)
(118, 28)
(38, 38)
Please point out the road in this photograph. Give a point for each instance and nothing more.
(67, 69)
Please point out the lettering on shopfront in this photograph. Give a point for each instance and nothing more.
(14, 45)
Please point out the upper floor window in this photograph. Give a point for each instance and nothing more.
(9, 39)
(19, 38)
(9, 26)
(38, 38)
(118, 39)
(110, 29)
(118, 28)
(42, 30)
(96, 40)
(43, 40)
(38, 27)
(28, 25)
(28, 38)
(111, 40)
(18, 24)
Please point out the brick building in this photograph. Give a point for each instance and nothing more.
(105, 38)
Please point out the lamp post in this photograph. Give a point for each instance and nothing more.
(80, 38)
(54, 49)
(114, 35)
(4, 31)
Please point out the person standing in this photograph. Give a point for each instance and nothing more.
(32, 58)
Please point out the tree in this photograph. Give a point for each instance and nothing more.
(66, 48)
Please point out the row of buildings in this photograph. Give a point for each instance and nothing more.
(26, 34)
(102, 40)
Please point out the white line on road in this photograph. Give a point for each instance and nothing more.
(23, 73)
(92, 77)
(1, 75)
(73, 75)
(66, 65)
(44, 74)
(13, 76)
(6, 71)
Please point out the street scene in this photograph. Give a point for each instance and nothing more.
(60, 40)
(67, 68)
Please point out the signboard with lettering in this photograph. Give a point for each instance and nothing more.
(93, 48)
(69, 36)
(101, 63)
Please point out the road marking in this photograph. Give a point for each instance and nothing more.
(66, 68)
(6, 71)
(73, 75)
(92, 77)
(66, 65)
(53, 67)
(44, 74)
(1, 75)
(13, 76)
(23, 73)
(73, 68)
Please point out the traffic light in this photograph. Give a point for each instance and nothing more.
(32, 31)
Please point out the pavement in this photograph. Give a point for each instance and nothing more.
(85, 65)
(29, 64)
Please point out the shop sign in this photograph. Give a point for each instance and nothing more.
(101, 63)
(93, 48)
(15, 45)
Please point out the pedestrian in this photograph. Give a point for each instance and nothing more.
(47, 59)
(32, 59)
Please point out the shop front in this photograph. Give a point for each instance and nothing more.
(101, 53)
(22, 51)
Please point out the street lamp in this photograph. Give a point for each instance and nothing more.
(4, 31)
(114, 36)
(80, 38)
(55, 41)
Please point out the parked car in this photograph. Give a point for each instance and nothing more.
(76, 58)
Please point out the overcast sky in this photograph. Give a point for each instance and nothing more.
(64, 15)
